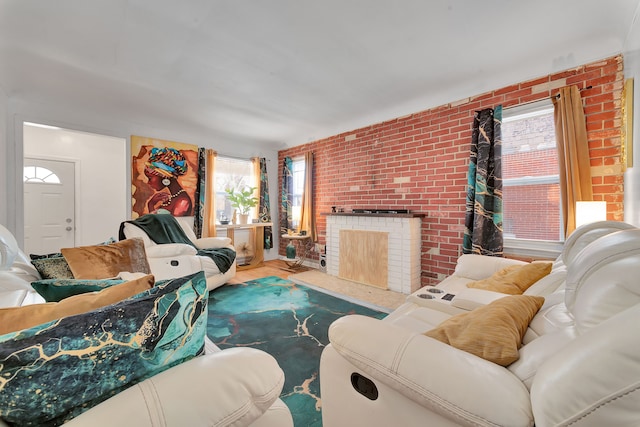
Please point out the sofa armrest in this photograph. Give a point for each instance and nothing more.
(431, 373)
(471, 298)
(170, 250)
(212, 242)
(595, 379)
(230, 387)
(478, 267)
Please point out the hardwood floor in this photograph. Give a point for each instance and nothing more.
(270, 268)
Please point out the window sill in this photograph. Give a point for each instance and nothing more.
(536, 249)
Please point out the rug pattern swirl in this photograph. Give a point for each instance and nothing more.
(288, 321)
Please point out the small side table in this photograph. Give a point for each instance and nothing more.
(301, 250)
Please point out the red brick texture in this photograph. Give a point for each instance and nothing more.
(419, 162)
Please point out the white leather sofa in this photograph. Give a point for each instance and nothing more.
(173, 260)
(579, 364)
(471, 267)
(233, 387)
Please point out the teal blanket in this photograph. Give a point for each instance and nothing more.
(163, 229)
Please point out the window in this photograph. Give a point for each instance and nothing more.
(530, 172)
(37, 174)
(231, 173)
(298, 168)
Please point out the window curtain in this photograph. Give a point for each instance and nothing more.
(198, 210)
(210, 195)
(307, 214)
(483, 216)
(573, 153)
(264, 207)
(205, 218)
(286, 196)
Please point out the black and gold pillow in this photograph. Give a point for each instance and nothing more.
(51, 266)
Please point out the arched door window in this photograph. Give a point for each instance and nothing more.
(37, 174)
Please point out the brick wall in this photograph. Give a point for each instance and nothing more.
(419, 162)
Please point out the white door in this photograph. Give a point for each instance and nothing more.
(49, 205)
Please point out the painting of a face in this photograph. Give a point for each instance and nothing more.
(164, 176)
(154, 182)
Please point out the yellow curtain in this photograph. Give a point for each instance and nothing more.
(255, 162)
(573, 153)
(209, 216)
(307, 214)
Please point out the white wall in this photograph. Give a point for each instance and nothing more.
(56, 113)
(101, 184)
(632, 176)
(3, 157)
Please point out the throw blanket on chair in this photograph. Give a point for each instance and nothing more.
(163, 229)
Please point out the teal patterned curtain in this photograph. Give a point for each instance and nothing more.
(483, 216)
(264, 211)
(286, 196)
(198, 211)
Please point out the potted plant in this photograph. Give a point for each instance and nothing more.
(243, 200)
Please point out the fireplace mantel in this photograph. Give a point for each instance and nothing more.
(388, 215)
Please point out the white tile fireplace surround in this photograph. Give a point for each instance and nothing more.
(377, 249)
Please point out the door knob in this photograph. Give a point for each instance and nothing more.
(68, 220)
(68, 228)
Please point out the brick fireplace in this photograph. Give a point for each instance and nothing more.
(377, 249)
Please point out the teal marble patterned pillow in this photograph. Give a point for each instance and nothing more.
(55, 371)
(54, 290)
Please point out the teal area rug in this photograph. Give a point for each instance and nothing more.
(288, 321)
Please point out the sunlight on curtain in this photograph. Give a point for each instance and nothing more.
(307, 214)
(209, 215)
(286, 196)
(573, 153)
(255, 175)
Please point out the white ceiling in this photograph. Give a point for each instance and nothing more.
(286, 72)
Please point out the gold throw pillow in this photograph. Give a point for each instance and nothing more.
(17, 318)
(515, 279)
(493, 332)
(106, 261)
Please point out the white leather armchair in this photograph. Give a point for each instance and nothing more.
(173, 260)
(579, 364)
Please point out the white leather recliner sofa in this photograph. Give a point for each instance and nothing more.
(168, 261)
(471, 267)
(579, 363)
(232, 387)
